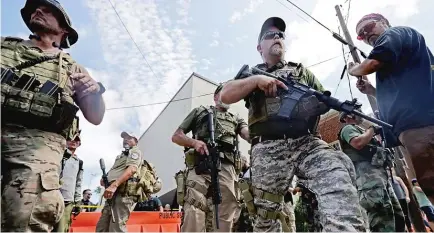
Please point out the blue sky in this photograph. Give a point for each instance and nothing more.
(211, 37)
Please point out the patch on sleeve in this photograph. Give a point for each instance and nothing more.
(134, 155)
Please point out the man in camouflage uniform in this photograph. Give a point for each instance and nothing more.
(376, 194)
(121, 193)
(71, 177)
(41, 88)
(286, 146)
(227, 127)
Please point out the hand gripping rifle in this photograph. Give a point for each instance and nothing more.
(106, 185)
(297, 90)
(389, 155)
(214, 166)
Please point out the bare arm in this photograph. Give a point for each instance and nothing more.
(125, 176)
(244, 133)
(368, 66)
(363, 139)
(403, 186)
(236, 90)
(181, 139)
(93, 108)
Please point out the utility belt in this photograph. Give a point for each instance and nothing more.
(43, 110)
(275, 129)
(291, 135)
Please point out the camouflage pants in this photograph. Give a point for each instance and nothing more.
(377, 197)
(31, 200)
(245, 221)
(328, 173)
(122, 208)
(65, 222)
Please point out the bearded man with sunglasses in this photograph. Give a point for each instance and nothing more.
(283, 148)
(404, 67)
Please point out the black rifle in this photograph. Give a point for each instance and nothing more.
(214, 168)
(389, 163)
(211, 165)
(297, 90)
(106, 185)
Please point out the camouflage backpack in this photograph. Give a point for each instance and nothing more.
(149, 183)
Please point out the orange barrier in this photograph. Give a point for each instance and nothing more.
(138, 222)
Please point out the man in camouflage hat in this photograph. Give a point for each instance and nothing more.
(286, 146)
(121, 193)
(404, 67)
(227, 127)
(42, 90)
(376, 194)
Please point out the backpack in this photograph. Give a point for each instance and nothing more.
(148, 183)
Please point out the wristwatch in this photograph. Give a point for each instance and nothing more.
(101, 88)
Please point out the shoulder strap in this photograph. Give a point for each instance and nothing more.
(80, 165)
(12, 38)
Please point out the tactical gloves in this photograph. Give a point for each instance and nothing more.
(309, 107)
(377, 129)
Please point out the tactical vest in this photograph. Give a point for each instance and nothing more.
(263, 110)
(364, 154)
(34, 91)
(225, 124)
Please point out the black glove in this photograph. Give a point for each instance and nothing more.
(308, 107)
(76, 210)
(377, 129)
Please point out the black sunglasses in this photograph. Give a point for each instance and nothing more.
(271, 34)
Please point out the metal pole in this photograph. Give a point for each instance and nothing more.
(414, 212)
(353, 51)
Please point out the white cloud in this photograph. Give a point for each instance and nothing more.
(215, 34)
(251, 8)
(206, 63)
(241, 39)
(128, 78)
(214, 43)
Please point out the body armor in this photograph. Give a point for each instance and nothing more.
(34, 91)
(225, 126)
(263, 111)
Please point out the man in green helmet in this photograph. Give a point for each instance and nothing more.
(42, 90)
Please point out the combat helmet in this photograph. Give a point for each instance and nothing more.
(31, 6)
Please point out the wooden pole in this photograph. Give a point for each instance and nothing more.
(353, 51)
(413, 206)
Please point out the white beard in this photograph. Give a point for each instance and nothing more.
(224, 106)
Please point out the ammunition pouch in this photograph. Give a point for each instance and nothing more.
(181, 180)
(249, 193)
(36, 110)
(198, 202)
(130, 188)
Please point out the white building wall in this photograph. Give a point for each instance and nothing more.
(156, 143)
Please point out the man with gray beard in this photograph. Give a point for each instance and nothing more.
(283, 147)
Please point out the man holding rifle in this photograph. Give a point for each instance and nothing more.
(222, 129)
(404, 67)
(286, 146)
(120, 187)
